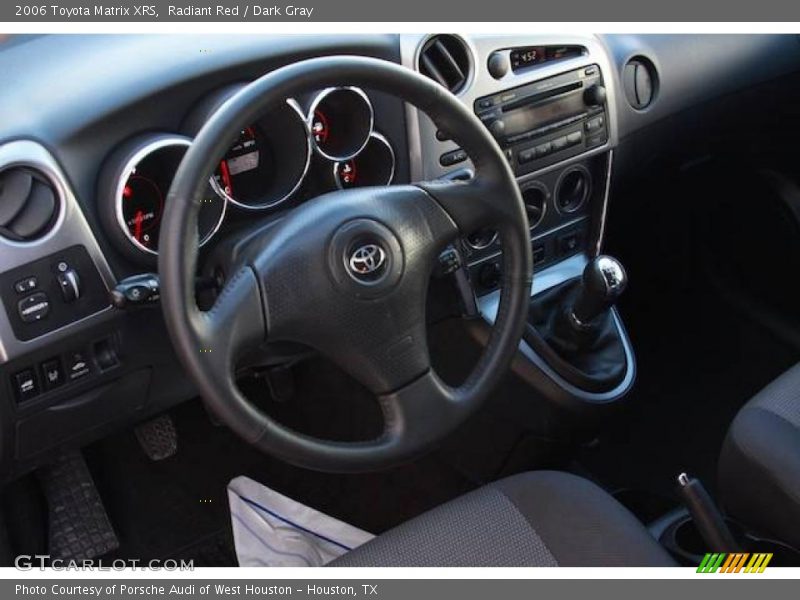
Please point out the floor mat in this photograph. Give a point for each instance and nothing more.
(272, 530)
(178, 507)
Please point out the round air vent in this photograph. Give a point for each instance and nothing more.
(535, 199)
(640, 81)
(28, 204)
(446, 60)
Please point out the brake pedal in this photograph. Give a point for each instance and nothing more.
(158, 437)
(78, 527)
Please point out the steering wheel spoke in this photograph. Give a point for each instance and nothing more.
(465, 202)
(236, 321)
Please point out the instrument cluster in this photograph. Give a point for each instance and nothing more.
(330, 138)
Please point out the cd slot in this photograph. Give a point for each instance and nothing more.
(542, 96)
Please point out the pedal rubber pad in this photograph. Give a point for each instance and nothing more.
(158, 437)
(79, 527)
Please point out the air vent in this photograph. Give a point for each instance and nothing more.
(640, 81)
(446, 60)
(28, 204)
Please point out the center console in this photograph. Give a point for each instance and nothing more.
(549, 102)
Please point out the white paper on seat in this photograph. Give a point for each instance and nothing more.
(271, 530)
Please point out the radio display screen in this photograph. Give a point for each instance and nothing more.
(534, 115)
(525, 57)
(533, 55)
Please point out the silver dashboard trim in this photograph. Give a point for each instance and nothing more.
(310, 120)
(471, 50)
(547, 278)
(70, 229)
(425, 149)
(601, 233)
(147, 148)
(382, 139)
(273, 203)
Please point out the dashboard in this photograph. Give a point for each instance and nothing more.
(295, 150)
(85, 174)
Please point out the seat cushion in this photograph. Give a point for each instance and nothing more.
(759, 467)
(538, 519)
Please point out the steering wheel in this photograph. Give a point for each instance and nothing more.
(347, 274)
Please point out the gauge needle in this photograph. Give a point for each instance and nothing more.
(137, 231)
(226, 177)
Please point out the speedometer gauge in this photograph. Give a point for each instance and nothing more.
(245, 167)
(267, 161)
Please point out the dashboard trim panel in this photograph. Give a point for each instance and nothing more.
(70, 229)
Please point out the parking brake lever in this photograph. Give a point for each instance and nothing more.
(706, 516)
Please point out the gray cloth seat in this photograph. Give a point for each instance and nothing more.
(538, 519)
(759, 467)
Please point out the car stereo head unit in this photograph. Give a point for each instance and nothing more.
(546, 121)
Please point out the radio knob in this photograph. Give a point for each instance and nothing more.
(497, 128)
(497, 65)
(595, 95)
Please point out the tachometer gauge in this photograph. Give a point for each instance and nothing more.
(267, 162)
(374, 165)
(142, 207)
(142, 173)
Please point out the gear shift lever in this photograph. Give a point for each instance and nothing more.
(602, 284)
(571, 327)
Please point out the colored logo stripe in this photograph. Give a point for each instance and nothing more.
(734, 562)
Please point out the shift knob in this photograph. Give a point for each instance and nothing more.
(602, 284)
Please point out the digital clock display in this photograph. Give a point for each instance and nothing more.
(528, 56)
(525, 57)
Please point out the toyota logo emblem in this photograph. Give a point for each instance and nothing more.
(367, 260)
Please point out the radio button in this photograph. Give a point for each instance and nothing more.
(559, 143)
(574, 138)
(595, 124)
(543, 149)
(526, 156)
(497, 128)
(497, 65)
